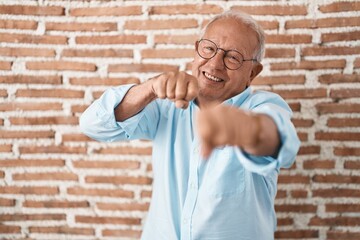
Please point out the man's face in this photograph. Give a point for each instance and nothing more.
(216, 82)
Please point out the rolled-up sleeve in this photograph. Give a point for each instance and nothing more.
(98, 120)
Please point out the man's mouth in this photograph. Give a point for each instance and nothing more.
(212, 77)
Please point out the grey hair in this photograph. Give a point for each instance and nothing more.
(248, 21)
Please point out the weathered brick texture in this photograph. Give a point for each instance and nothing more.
(57, 56)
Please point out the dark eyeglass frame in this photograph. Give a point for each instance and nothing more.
(225, 54)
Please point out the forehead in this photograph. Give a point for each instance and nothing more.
(232, 34)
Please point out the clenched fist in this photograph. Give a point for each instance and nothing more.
(178, 87)
(224, 125)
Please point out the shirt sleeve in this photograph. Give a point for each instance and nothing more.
(98, 121)
(281, 113)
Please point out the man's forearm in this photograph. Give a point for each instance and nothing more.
(134, 101)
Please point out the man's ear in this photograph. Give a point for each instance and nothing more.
(257, 68)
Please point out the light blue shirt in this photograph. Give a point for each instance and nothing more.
(230, 196)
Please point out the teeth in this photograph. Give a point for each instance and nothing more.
(211, 77)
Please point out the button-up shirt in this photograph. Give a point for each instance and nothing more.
(229, 196)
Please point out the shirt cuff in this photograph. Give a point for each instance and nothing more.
(290, 144)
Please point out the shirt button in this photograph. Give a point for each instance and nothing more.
(196, 150)
(185, 221)
(192, 185)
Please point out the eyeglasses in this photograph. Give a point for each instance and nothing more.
(232, 59)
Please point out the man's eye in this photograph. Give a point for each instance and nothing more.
(209, 49)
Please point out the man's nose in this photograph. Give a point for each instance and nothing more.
(218, 60)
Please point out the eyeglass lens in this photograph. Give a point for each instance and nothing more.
(208, 49)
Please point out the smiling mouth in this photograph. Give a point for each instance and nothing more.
(212, 77)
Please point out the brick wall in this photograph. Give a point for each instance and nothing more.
(58, 56)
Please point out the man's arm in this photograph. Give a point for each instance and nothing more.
(256, 134)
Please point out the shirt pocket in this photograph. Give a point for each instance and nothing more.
(226, 175)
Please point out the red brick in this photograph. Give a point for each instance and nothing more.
(299, 194)
(160, 24)
(337, 234)
(34, 39)
(280, 53)
(352, 164)
(102, 53)
(341, 208)
(319, 164)
(104, 81)
(133, 206)
(30, 106)
(335, 221)
(142, 68)
(345, 93)
(5, 148)
(79, 108)
(343, 122)
(32, 10)
(76, 137)
(43, 176)
(323, 23)
(340, 7)
(116, 193)
(186, 9)
(304, 150)
(298, 208)
(63, 230)
(335, 178)
(121, 233)
(118, 39)
(3, 92)
(44, 121)
(279, 10)
(303, 136)
(52, 149)
(288, 38)
(145, 194)
(107, 164)
(302, 93)
(81, 27)
(302, 122)
(9, 229)
(55, 204)
(295, 107)
(167, 53)
(32, 163)
(50, 93)
(18, 24)
(309, 65)
(337, 136)
(61, 66)
(340, 36)
(285, 221)
(339, 78)
(347, 151)
(281, 194)
(288, 179)
(5, 65)
(357, 63)
(26, 134)
(321, 51)
(119, 180)
(108, 220)
(5, 202)
(29, 190)
(2, 174)
(28, 79)
(324, 108)
(336, 193)
(31, 217)
(296, 234)
(175, 39)
(106, 11)
(125, 150)
(24, 52)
